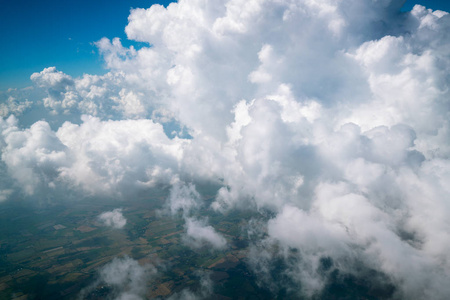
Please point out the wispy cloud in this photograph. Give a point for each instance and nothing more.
(124, 277)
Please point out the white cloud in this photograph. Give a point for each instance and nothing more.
(184, 198)
(57, 85)
(13, 107)
(111, 155)
(205, 290)
(198, 234)
(125, 276)
(33, 155)
(113, 218)
(4, 194)
(100, 157)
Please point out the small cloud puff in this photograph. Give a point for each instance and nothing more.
(126, 278)
(199, 234)
(184, 198)
(113, 219)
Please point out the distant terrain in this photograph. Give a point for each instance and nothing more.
(55, 252)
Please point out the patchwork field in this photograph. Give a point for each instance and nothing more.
(42, 259)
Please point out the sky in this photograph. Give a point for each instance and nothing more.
(330, 118)
(433, 4)
(61, 33)
(38, 34)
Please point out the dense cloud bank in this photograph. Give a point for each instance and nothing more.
(333, 115)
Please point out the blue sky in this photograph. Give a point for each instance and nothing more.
(39, 34)
(433, 4)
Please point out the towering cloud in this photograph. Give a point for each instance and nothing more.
(332, 115)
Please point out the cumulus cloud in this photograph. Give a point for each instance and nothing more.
(13, 107)
(125, 277)
(4, 194)
(100, 157)
(205, 290)
(332, 115)
(32, 155)
(113, 218)
(184, 198)
(198, 233)
(57, 84)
